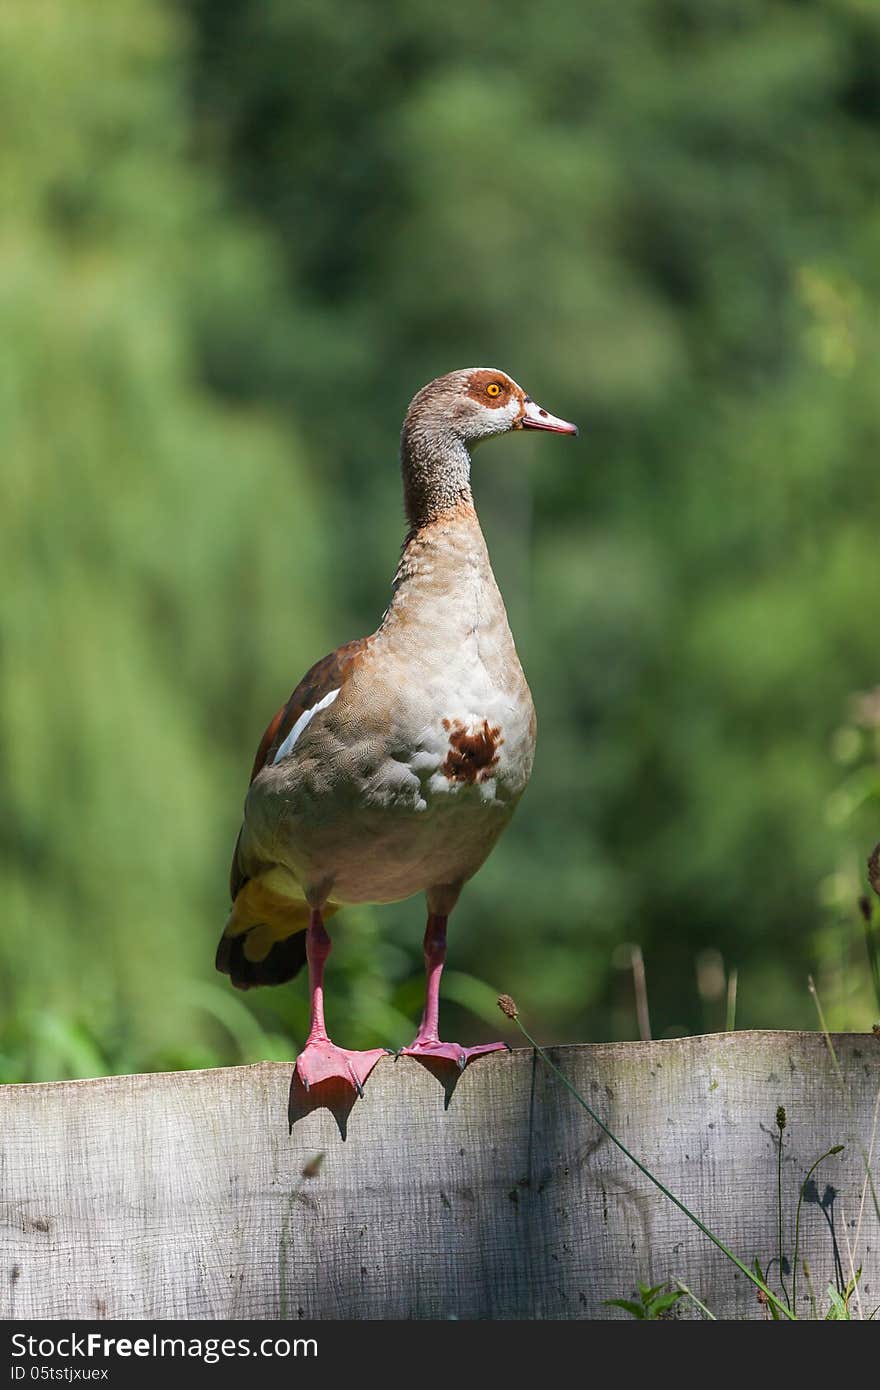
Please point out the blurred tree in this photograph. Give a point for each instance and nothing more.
(663, 219)
(237, 238)
(148, 611)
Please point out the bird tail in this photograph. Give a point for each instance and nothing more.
(264, 942)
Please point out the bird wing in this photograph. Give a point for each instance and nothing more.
(321, 683)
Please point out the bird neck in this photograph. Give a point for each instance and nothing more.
(444, 587)
(436, 470)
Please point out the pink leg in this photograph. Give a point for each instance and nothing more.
(427, 1041)
(320, 1059)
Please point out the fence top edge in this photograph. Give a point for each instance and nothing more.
(709, 1043)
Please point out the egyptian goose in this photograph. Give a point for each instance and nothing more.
(399, 759)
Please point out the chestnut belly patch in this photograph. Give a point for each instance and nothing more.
(473, 752)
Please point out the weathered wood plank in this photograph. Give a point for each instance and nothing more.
(183, 1195)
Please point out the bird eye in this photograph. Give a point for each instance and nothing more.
(493, 389)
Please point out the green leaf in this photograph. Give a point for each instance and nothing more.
(665, 1302)
(648, 1293)
(635, 1309)
(838, 1312)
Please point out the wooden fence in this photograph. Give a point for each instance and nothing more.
(225, 1194)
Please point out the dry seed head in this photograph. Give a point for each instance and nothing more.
(507, 1006)
(781, 1120)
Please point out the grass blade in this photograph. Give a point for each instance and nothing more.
(508, 1008)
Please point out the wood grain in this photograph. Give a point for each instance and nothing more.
(187, 1195)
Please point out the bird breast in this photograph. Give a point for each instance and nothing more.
(410, 775)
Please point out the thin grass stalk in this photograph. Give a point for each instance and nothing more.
(691, 1295)
(837, 1148)
(870, 1160)
(814, 1312)
(640, 986)
(730, 1018)
(849, 1110)
(510, 1010)
(780, 1125)
(853, 1276)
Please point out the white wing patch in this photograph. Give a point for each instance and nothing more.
(304, 719)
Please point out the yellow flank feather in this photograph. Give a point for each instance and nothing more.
(267, 915)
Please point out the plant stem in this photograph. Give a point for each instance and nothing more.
(854, 1131)
(779, 1213)
(814, 1313)
(640, 988)
(759, 1283)
(797, 1220)
(702, 1307)
(730, 1020)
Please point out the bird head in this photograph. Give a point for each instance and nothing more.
(479, 402)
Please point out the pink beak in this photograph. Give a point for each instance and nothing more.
(537, 419)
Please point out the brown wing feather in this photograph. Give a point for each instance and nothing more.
(327, 674)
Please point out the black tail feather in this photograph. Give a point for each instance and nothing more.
(284, 961)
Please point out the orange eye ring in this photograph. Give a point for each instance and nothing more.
(493, 389)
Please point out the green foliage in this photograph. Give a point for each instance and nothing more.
(839, 1303)
(236, 238)
(652, 1303)
(140, 618)
(650, 224)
